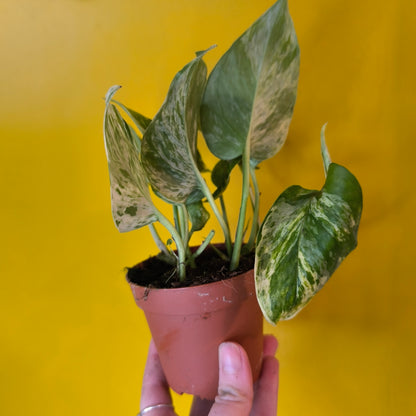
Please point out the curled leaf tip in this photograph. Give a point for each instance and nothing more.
(111, 91)
(324, 150)
(202, 53)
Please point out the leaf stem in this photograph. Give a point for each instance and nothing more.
(160, 244)
(203, 246)
(216, 212)
(224, 214)
(179, 244)
(184, 227)
(183, 215)
(256, 209)
(175, 210)
(243, 207)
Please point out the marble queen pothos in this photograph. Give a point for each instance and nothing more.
(243, 109)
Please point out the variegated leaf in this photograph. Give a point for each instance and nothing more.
(141, 122)
(130, 199)
(303, 239)
(169, 153)
(251, 92)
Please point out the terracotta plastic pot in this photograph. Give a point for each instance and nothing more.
(188, 324)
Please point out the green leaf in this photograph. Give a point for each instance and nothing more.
(326, 158)
(110, 93)
(139, 120)
(220, 175)
(202, 167)
(130, 199)
(303, 239)
(251, 92)
(169, 153)
(198, 215)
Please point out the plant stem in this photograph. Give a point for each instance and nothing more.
(203, 246)
(183, 222)
(243, 207)
(218, 215)
(256, 208)
(224, 214)
(220, 253)
(176, 218)
(160, 244)
(179, 244)
(184, 227)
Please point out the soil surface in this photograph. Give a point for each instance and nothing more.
(210, 267)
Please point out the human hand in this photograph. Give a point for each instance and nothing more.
(236, 394)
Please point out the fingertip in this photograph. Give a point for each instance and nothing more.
(271, 365)
(235, 377)
(230, 358)
(270, 345)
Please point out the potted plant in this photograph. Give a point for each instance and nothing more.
(243, 111)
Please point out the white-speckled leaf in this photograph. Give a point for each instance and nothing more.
(130, 199)
(140, 121)
(169, 153)
(303, 239)
(251, 93)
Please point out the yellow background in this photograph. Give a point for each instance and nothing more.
(72, 340)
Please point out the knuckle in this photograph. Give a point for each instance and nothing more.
(230, 394)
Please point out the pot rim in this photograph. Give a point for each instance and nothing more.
(195, 299)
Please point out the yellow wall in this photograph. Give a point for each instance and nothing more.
(72, 341)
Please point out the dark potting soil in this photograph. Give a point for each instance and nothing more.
(210, 267)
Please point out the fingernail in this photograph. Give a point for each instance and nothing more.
(230, 358)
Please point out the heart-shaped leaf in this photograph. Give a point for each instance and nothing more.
(220, 175)
(198, 215)
(169, 153)
(303, 239)
(130, 199)
(251, 92)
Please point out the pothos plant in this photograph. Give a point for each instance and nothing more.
(243, 110)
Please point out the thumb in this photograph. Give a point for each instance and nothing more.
(235, 387)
